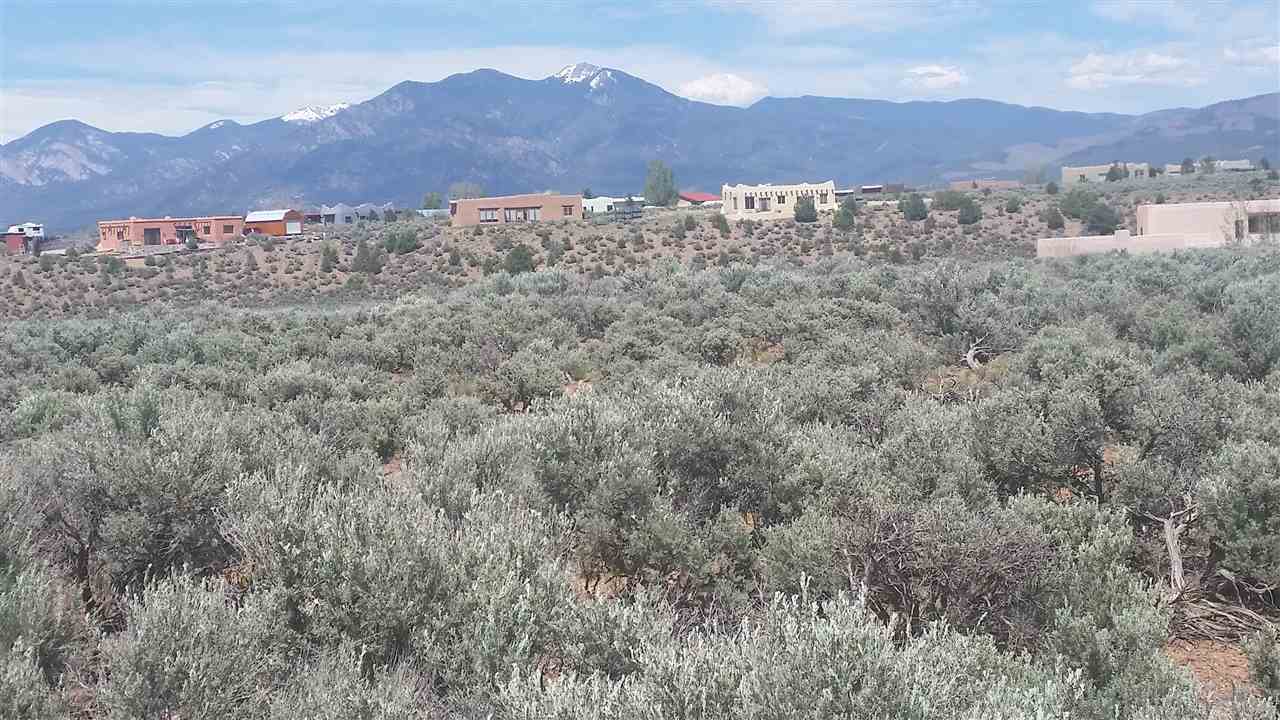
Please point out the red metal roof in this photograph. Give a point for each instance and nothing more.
(699, 197)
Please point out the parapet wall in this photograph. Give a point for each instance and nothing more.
(1122, 240)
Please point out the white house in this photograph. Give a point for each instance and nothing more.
(29, 229)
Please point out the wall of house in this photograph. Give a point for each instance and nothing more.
(463, 213)
(1123, 240)
(734, 199)
(1217, 218)
(122, 235)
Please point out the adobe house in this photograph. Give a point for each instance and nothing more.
(134, 233)
(514, 209)
(276, 223)
(775, 202)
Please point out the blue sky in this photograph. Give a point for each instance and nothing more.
(174, 66)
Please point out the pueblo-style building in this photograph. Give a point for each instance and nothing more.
(514, 209)
(136, 233)
(775, 202)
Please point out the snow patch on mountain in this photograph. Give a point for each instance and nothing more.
(314, 113)
(595, 77)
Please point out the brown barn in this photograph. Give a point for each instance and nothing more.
(276, 223)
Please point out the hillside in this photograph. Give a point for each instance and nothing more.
(584, 126)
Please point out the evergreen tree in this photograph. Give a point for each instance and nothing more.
(805, 211)
(432, 201)
(1188, 166)
(660, 185)
(845, 219)
(1051, 188)
(969, 213)
(1053, 218)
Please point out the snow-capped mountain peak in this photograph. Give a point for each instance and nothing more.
(576, 73)
(314, 113)
(593, 76)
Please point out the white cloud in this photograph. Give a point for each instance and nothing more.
(1097, 71)
(723, 89)
(935, 77)
(1263, 56)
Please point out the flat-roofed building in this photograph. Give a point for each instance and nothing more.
(1241, 220)
(1233, 165)
(1098, 173)
(136, 233)
(511, 209)
(1179, 226)
(774, 202)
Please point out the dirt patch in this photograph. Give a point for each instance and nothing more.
(1218, 667)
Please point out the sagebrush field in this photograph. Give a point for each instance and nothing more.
(794, 471)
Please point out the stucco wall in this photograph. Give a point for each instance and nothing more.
(551, 207)
(119, 235)
(1122, 240)
(1215, 218)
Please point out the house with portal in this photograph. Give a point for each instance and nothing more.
(774, 202)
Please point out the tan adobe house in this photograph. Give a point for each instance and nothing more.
(514, 209)
(774, 202)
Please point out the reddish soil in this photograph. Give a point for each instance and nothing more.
(1218, 667)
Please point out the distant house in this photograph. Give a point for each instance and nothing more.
(511, 209)
(775, 202)
(1098, 173)
(870, 189)
(1178, 226)
(990, 184)
(23, 239)
(433, 213)
(339, 214)
(370, 211)
(1233, 165)
(603, 204)
(689, 198)
(276, 223)
(137, 233)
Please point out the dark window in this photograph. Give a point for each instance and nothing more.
(205, 229)
(151, 236)
(488, 215)
(568, 210)
(782, 198)
(228, 229)
(749, 203)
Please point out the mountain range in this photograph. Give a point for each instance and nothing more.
(585, 126)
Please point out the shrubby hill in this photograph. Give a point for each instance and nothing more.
(798, 484)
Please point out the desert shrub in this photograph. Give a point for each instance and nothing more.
(1101, 220)
(721, 224)
(914, 208)
(1263, 651)
(519, 259)
(1078, 202)
(1053, 218)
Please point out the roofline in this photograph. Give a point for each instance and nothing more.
(174, 219)
(521, 195)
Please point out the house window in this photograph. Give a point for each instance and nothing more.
(782, 198)
(1239, 229)
(567, 209)
(748, 203)
(205, 229)
(119, 233)
(347, 219)
(822, 197)
(529, 214)
(488, 215)
(1264, 224)
(228, 229)
(763, 204)
(735, 202)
